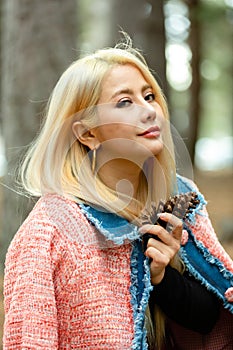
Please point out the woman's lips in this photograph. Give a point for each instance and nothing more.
(151, 133)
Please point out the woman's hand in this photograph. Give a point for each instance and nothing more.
(163, 250)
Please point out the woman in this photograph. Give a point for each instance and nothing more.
(77, 275)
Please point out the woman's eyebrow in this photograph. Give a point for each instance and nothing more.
(129, 91)
(146, 87)
(122, 91)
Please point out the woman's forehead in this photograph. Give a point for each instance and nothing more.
(122, 79)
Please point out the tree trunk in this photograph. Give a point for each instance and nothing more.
(144, 22)
(195, 45)
(38, 42)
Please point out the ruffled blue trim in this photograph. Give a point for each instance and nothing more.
(119, 230)
(140, 291)
(198, 260)
(185, 186)
(206, 268)
(112, 226)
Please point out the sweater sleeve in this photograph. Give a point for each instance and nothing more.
(186, 301)
(30, 306)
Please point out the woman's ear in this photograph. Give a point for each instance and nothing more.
(85, 136)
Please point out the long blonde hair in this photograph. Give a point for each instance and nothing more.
(58, 163)
(57, 160)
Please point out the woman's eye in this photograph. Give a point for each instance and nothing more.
(124, 103)
(150, 97)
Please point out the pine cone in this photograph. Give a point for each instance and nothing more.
(180, 206)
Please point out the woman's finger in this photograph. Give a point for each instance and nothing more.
(176, 223)
(161, 232)
(170, 248)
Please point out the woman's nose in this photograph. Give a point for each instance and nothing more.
(148, 113)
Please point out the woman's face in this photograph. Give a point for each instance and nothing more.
(130, 121)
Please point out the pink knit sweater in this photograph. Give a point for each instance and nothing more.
(67, 288)
(63, 290)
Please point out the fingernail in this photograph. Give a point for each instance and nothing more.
(141, 230)
(162, 215)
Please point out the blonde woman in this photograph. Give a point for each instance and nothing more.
(77, 273)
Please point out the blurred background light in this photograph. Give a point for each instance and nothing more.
(209, 70)
(178, 66)
(214, 154)
(3, 162)
(229, 3)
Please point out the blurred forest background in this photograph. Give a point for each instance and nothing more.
(187, 43)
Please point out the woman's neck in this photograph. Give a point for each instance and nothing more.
(122, 176)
